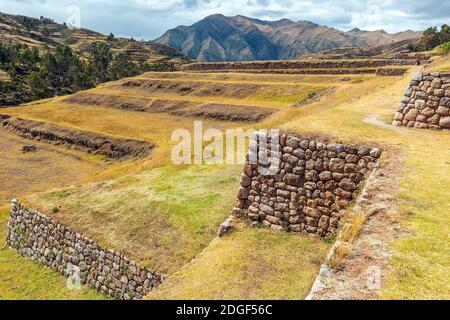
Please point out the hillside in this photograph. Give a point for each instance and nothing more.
(45, 32)
(220, 38)
(40, 59)
(166, 216)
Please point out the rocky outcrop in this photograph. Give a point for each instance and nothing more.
(306, 185)
(48, 242)
(426, 102)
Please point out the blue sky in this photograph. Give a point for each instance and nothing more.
(149, 19)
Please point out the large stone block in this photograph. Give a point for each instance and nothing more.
(444, 122)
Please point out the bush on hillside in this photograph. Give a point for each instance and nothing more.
(444, 48)
(432, 38)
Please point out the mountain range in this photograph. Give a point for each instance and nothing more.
(221, 38)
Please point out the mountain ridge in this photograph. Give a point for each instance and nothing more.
(240, 38)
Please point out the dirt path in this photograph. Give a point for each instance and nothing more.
(362, 274)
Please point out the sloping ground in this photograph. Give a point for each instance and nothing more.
(248, 264)
(419, 262)
(23, 279)
(410, 237)
(174, 213)
(49, 167)
(111, 147)
(220, 112)
(162, 217)
(44, 32)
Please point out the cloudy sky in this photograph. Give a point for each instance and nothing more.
(148, 19)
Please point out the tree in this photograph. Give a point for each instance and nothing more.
(432, 38)
(122, 66)
(38, 86)
(110, 38)
(99, 61)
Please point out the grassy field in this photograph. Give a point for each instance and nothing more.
(173, 214)
(165, 216)
(420, 262)
(249, 264)
(50, 167)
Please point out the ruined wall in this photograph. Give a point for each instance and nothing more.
(50, 243)
(329, 71)
(426, 102)
(313, 182)
(300, 64)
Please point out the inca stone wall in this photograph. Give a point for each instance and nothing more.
(50, 243)
(300, 64)
(426, 102)
(305, 186)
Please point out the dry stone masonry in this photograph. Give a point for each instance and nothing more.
(299, 64)
(50, 243)
(426, 102)
(313, 183)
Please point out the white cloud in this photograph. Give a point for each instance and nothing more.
(148, 19)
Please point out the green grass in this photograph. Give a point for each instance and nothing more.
(420, 262)
(23, 279)
(162, 217)
(249, 264)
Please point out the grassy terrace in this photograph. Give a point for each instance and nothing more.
(173, 213)
(161, 217)
(420, 262)
(249, 264)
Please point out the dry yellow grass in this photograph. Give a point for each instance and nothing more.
(421, 261)
(150, 222)
(248, 264)
(4, 76)
(50, 167)
(162, 217)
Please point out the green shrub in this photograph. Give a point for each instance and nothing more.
(444, 48)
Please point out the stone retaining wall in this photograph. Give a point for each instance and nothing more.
(50, 243)
(300, 64)
(426, 102)
(330, 71)
(305, 186)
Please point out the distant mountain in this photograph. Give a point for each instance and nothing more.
(220, 38)
(381, 37)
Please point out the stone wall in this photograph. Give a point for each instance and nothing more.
(299, 64)
(330, 71)
(50, 243)
(426, 102)
(306, 185)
